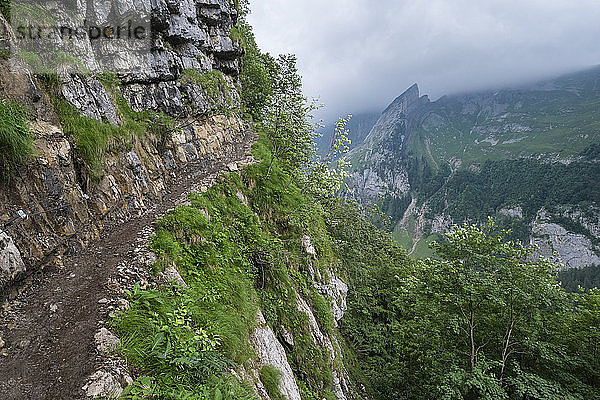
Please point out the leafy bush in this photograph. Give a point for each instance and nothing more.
(176, 336)
(257, 70)
(16, 142)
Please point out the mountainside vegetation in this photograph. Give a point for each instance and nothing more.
(481, 321)
(524, 156)
(503, 184)
(16, 142)
(354, 316)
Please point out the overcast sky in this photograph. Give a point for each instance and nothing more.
(358, 55)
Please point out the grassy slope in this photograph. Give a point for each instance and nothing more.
(238, 259)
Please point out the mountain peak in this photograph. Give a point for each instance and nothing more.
(405, 100)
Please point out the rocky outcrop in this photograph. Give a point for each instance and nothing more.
(382, 169)
(63, 214)
(588, 219)
(331, 345)
(11, 264)
(575, 250)
(270, 352)
(335, 291)
(63, 210)
(513, 212)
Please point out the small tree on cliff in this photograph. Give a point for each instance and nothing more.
(256, 69)
(324, 177)
(287, 116)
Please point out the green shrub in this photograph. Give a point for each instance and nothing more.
(322, 309)
(178, 337)
(256, 70)
(16, 142)
(270, 378)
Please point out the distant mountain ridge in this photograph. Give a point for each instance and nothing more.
(527, 156)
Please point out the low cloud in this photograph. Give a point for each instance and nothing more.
(358, 55)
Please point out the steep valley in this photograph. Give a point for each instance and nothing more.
(169, 232)
(526, 156)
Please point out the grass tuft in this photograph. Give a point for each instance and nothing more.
(215, 87)
(16, 142)
(270, 378)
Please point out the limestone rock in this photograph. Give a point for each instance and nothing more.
(103, 385)
(90, 97)
(106, 342)
(575, 250)
(329, 344)
(11, 263)
(336, 291)
(385, 141)
(171, 275)
(514, 212)
(308, 247)
(270, 352)
(287, 336)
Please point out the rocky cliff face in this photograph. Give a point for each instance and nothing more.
(511, 154)
(380, 169)
(270, 349)
(72, 242)
(576, 249)
(50, 206)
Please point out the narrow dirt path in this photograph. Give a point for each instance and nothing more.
(49, 329)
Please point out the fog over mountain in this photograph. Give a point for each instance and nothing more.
(357, 57)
